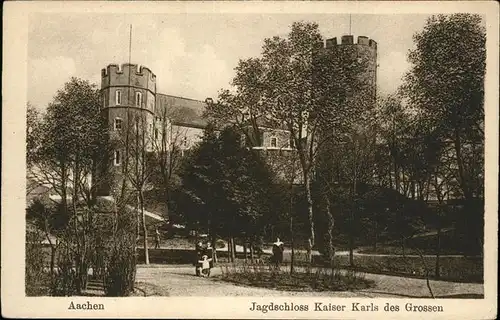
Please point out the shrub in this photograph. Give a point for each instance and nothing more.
(120, 258)
(120, 273)
(64, 283)
(303, 279)
(37, 281)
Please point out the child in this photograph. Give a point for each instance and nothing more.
(204, 266)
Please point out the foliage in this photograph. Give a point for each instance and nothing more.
(382, 214)
(65, 147)
(445, 86)
(447, 75)
(299, 87)
(120, 256)
(230, 189)
(37, 282)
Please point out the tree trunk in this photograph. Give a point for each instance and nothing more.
(307, 183)
(396, 176)
(438, 253)
(144, 228)
(292, 258)
(53, 248)
(351, 226)
(460, 164)
(214, 248)
(351, 251)
(252, 256)
(79, 237)
(245, 251)
(64, 186)
(331, 224)
(167, 199)
(403, 246)
(234, 248)
(426, 273)
(52, 260)
(231, 250)
(139, 219)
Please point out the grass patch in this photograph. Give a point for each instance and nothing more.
(303, 279)
(410, 251)
(458, 269)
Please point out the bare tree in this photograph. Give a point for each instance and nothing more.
(140, 165)
(168, 145)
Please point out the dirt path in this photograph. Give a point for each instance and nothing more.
(181, 281)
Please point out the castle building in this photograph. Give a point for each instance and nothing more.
(138, 115)
(131, 104)
(130, 100)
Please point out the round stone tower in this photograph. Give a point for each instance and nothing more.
(358, 60)
(347, 70)
(128, 104)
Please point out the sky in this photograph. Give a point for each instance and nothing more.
(192, 55)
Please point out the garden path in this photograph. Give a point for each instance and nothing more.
(180, 281)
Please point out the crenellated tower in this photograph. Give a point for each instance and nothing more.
(349, 74)
(357, 61)
(128, 106)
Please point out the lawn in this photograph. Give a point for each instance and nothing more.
(459, 269)
(397, 250)
(302, 280)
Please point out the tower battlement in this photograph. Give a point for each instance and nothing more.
(349, 40)
(125, 68)
(128, 74)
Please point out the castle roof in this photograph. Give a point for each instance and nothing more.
(181, 110)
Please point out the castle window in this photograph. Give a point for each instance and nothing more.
(156, 134)
(118, 158)
(118, 124)
(138, 99)
(274, 142)
(118, 97)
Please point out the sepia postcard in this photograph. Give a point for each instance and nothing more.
(309, 160)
